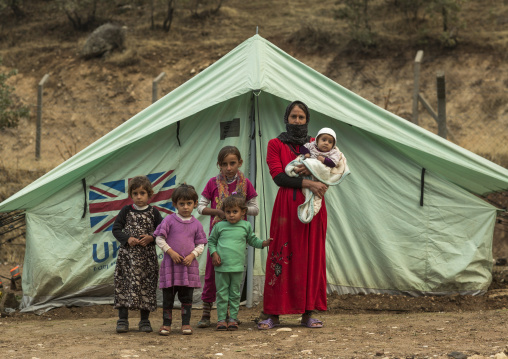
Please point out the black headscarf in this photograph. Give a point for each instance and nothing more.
(295, 134)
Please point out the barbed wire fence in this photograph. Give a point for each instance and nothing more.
(480, 127)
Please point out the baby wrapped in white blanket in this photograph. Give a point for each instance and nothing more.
(326, 163)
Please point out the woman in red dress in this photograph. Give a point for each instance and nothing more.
(295, 281)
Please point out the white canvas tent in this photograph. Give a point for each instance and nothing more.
(406, 221)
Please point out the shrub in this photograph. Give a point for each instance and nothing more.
(9, 112)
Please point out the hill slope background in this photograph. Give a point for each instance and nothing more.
(85, 99)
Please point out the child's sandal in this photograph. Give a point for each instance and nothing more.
(186, 330)
(222, 326)
(204, 322)
(233, 324)
(165, 330)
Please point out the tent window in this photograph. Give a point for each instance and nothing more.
(230, 129)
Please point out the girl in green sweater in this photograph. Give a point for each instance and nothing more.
(227, 248)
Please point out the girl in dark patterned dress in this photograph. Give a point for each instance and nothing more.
(137, 267)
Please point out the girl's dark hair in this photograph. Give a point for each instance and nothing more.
(184, 192)
(140, 181)
(226, 151)
(234, 200)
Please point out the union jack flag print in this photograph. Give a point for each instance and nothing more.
(108, 198)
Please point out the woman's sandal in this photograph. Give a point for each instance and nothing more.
(233, 324)
(222, 326)
(312, 323)
(164, 330)
(186, 330)
(267, 324)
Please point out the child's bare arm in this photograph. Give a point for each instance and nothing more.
(207, 211)
(213, 212)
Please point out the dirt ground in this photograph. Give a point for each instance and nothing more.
(355, 326)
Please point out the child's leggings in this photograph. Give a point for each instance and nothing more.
(123, 313)
(168, 300)
(228, 291)
(209, 290)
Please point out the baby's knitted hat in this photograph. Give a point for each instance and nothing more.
(328, 131)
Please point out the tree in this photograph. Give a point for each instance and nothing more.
(449, 11)
(168, 18)
(356, 14)
(14, 5)
(9, 112)
(81, 13)
(203, 8)
(410, 8)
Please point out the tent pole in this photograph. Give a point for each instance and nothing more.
(252, 178)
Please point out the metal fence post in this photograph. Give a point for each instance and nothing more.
(155, 82)
(441, 104)
(39, 117)
(416, 88)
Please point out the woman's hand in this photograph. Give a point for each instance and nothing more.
(319, 189)
(301, 170)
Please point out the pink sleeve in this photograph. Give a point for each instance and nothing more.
(199, 236)
(208, 191)
(251, 192)
(163, 228)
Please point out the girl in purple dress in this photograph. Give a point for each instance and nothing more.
(182, 239)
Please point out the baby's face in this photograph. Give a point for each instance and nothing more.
(325, 143)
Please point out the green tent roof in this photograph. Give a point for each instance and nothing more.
(256, 64)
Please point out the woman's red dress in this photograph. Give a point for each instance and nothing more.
(296, 265)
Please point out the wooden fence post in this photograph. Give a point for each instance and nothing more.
(441, 104)
(416, 88)
(155, 82)
(39, 118)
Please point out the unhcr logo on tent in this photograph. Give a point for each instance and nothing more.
(106, 199)
(115, 246)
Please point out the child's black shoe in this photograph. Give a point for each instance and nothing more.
(122, 326)
(144, 326)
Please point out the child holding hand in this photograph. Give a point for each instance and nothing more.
(226, 245)
(182, 239)
(230, 179)
(137, 267)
